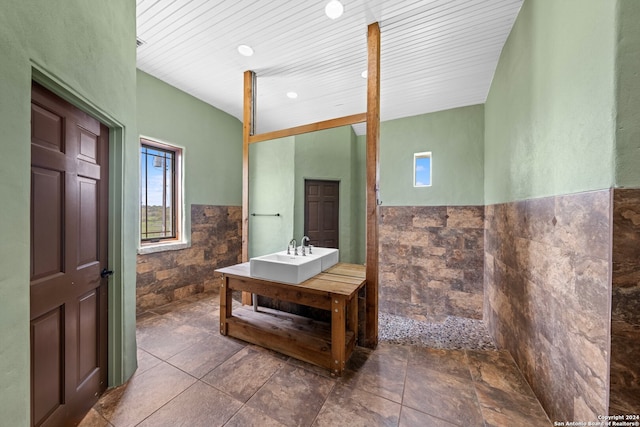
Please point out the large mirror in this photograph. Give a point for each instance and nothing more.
(289, 176)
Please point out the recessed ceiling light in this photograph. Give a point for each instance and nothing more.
(292, 95)
(364, 74)
(334, 9)
(245, 50)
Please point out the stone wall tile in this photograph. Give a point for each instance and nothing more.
(399, 217)
(464, 259)
(538, 222)
(626, 225)
(625, 382)
(447, 274)
(212, 285)
(195, 256)
(503, 246)
(465, 217)
(150, 300)
(399, 253)
(157, 262)
(445, 238)
(473, 281)
(474, 239)
(167, 273)
(411, 238)
(429, 222)
(198, 237)
(144, 267)
(585, 396)
(145, 278)
(437, 284)
(436, 251)
(466, 304)
(626, 274)
(626, 233)
(186, 291)
(592, 285)
(429, 217)
(556, 396)
(583, 223)
(625, 305)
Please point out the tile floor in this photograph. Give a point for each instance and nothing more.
(190, 375)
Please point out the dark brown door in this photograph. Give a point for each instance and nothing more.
(321, 212)
(69, 154)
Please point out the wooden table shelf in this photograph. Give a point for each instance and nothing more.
(320, 343)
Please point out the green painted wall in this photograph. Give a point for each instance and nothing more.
(211, 138)
(329, 155)
(84, 50)
(271, 190)
(550, 112)
(455, 139)
(628, 95)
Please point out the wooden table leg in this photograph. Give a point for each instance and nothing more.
(226, 304)
(338, 334)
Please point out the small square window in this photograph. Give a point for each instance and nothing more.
(422, 169)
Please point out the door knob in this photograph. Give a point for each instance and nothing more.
(106, 273)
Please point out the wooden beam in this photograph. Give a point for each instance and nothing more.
(326, 124)
(247, 127)
(372, 161)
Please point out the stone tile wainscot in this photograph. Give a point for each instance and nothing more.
(216, 242)
(547, 297)
(431, 261)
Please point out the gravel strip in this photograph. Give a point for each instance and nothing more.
(452, 333)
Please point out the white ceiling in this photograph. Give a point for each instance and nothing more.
(435, 54)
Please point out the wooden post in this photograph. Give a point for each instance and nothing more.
(247, 127)
(372, 155)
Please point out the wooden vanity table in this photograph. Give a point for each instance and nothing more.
(319, 343)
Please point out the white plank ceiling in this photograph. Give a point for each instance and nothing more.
(435, 54)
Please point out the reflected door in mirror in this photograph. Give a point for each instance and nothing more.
(321, 212)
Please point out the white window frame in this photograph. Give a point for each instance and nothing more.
(422, 155)
(179, 241)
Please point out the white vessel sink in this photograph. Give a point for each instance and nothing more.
(328, 256)
(281, 267)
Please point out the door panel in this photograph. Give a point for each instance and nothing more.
(322, 212)
(69, 194)
(88, 222)
(46, 232)
(88, 146)
(46, 128)
(87, 335)
(46, 363)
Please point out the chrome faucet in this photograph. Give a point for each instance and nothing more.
(295, 249)
(302, 245)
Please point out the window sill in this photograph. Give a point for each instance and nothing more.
(162, 247)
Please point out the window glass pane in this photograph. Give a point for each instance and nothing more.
(422, 169)
(157, 193)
